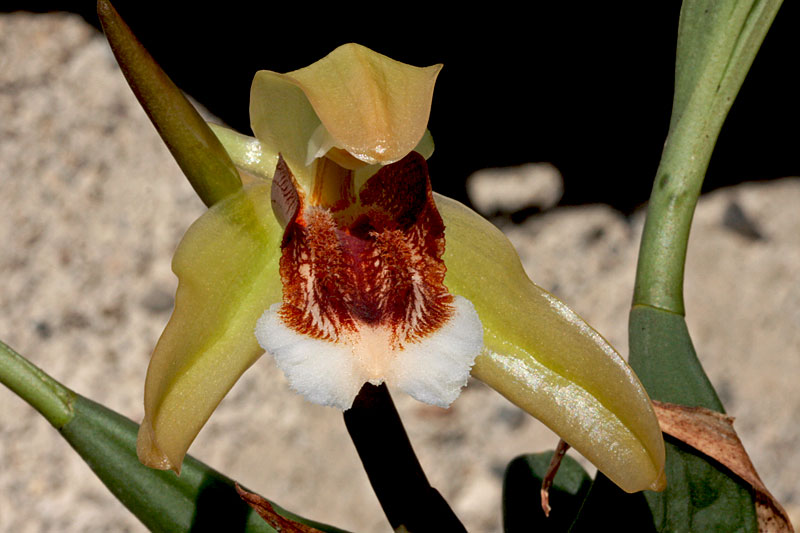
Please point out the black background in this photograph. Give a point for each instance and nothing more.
(586, 87)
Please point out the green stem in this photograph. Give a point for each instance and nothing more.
(716, 46)
(396, 476)
(662, 255)
(43, 393)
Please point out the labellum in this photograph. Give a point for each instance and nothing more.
(363, 289)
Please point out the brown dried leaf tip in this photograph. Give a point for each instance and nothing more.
(268, 513)
(550, 475)
(712, 433)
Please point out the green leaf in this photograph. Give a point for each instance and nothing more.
(717, 42)
(665, 359)
(200, 499)
(607, 504)
(700, 494)
(42, 392)
(521, 485)
(192, 143)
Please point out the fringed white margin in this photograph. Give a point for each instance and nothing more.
(432, 370)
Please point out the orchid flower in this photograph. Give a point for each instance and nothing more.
(337, 259)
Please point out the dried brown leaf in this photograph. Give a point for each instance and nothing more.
(712, 433)
(268, 513)
(552, 469)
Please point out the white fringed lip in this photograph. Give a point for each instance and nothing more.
(432, 370)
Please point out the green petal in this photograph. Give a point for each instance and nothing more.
(227, 267)
(260, 158)
(248, 153)
(543, 357)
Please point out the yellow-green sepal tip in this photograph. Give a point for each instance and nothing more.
(544, 358)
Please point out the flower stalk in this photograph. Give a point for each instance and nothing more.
(406, 496)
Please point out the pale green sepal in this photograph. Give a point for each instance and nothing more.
(543, 357)
(228, 271)
(372, 106)
(247, 153)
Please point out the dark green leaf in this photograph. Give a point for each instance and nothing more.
(200, 499)
(665, 361)
(616, 509)
(192, 143)
(717, 43)
(522, 511)
(700, 495)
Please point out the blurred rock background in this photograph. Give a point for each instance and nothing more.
(93, 206)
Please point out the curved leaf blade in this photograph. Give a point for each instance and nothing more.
(717, 43)
(201, 499)
(606, 503)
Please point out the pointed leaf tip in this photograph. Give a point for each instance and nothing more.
(194, 146)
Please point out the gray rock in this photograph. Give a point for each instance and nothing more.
(511, 189)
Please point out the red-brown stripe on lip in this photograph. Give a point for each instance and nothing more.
(382, 270)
